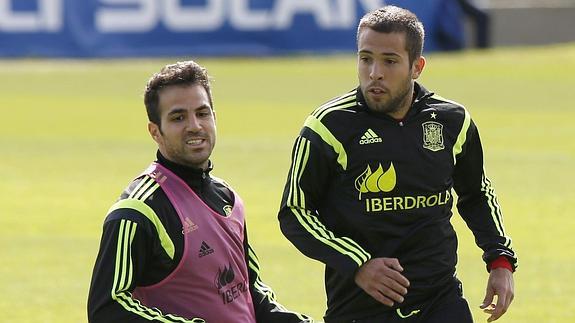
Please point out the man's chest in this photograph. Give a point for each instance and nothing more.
(384, 155)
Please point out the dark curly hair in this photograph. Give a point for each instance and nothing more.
(180, 73)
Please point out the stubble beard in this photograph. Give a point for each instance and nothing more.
(186, 156)
(395, 104)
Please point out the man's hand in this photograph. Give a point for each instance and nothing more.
(500, 283)
(381, 278)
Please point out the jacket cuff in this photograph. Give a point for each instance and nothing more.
(501, 262)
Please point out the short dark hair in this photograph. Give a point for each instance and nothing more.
(181, 73)
(391, 19)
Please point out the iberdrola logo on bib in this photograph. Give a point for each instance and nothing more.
(376, 181)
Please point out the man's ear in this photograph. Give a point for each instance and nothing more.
(417, 67)
(154, 131)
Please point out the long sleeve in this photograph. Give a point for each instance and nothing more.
(128, 244)
(477, 202)
(266, 307)
(314, 163)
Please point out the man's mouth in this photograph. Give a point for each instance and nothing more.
(195, 142)
(376, 90)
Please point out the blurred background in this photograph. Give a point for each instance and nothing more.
(73, 130)
(144, 28)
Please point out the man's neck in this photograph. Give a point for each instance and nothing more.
(399, 115)
(186, 173)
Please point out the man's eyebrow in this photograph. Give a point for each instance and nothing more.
(176, 110)
(365, 51)
(204, 106)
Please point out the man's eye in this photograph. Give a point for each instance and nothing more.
(178, 118)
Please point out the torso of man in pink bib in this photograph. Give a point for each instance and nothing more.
(211, 281)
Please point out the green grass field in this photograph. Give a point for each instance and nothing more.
(74, 133)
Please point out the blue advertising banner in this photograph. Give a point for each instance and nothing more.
(138, 28)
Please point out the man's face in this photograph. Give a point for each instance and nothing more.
(188, 129)
(385, 75)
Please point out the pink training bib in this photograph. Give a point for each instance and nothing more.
(211, 281)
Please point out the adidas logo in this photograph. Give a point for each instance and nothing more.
(205, 249)
(189, 226)
(369, 137)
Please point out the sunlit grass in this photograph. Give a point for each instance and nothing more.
(74, 134)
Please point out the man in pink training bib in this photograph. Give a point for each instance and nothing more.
(174, 246)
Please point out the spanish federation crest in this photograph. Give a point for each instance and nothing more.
(433, 135)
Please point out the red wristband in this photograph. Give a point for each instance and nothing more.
(501, 262)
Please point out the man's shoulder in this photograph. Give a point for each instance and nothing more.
(444, 104)
(450, 114)
(139, 187)
(219, 182)
(141, 200)
(344, 103)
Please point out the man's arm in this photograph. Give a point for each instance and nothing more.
(477, 202)
(312, 167)
(480, 209)
(127, 239)
(266, 307)
(314, 162)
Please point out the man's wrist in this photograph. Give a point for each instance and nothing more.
(501, 262)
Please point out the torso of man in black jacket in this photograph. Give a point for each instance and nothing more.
(372, 184)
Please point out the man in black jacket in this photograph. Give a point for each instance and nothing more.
(174, 247)
(369, 192)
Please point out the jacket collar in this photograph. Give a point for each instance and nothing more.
(192, 176)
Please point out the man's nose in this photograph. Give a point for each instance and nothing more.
(194, 124)
(376, 72)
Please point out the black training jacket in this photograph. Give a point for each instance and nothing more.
(363, 185)
(148, 261)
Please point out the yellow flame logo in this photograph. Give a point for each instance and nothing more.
(378, 181)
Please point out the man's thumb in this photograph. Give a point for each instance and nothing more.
(488, 299)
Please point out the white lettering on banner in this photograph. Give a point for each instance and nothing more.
(345, 11)
(144, 15)
(329, 14)
(193, 18)
(286, 10)
(370, 5)
(47, 18)
(242, 18)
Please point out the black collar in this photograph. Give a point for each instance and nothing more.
(192, 176)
